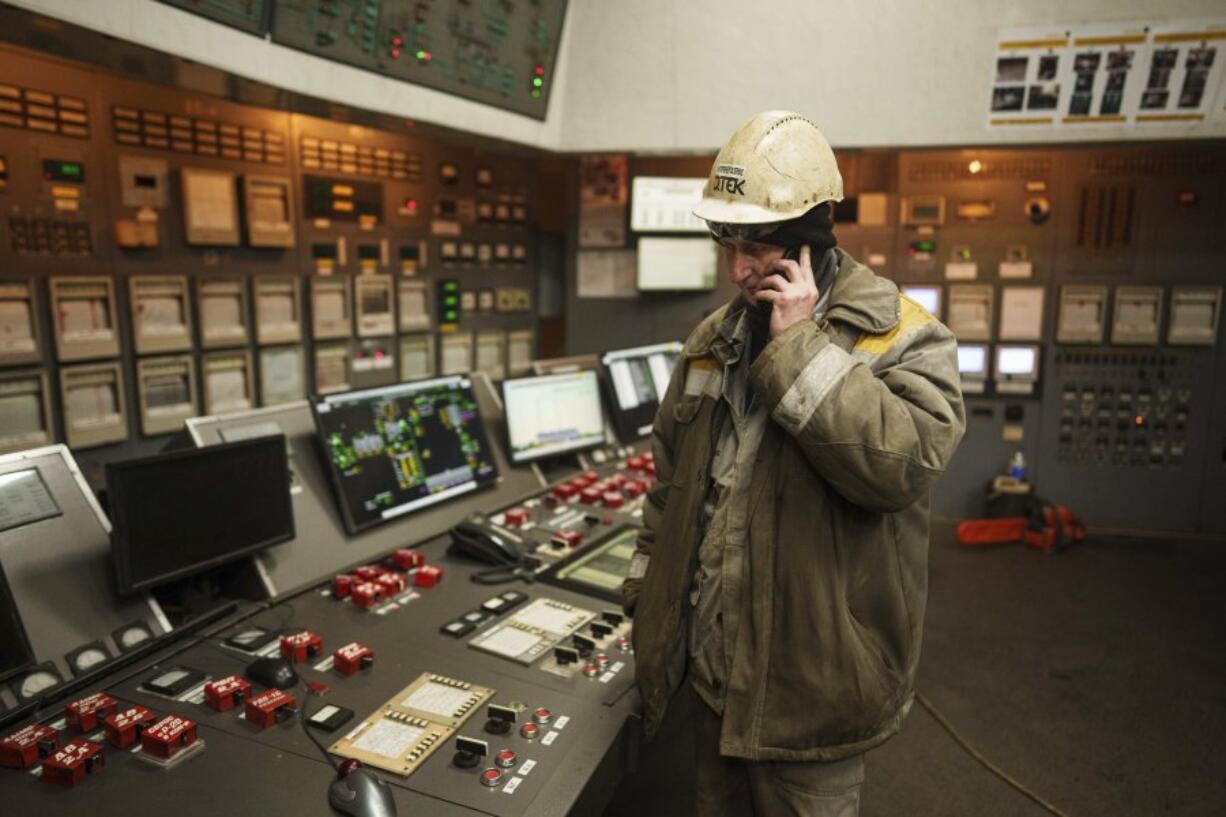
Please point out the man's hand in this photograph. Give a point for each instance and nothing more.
(793, 298)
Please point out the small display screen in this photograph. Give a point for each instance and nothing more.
(397, 449)
(1016, 361)
(552, 414)
(24, 499)
(972, 360)
(638, 379)
(58, 170)
(927, 297)
(15, 652)
(181, 513)
(600, 570)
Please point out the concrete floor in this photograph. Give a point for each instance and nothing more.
(1096, 677)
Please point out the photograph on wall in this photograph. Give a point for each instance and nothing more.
(603, 196)
(1106, 61)
(1183, 73)
(1026, 83)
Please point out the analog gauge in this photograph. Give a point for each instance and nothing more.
(85, 658)
(131, 636)
(37, 681)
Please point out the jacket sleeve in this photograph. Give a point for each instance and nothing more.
(880, 423)
(657, 497)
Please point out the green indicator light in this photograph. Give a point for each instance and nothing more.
(450, 300)
(536, 93)
(450, 286)
(450, 315)
(538, 82)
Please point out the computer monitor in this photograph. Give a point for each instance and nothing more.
(553, 414)
(16, 654)
(178, 514)
(637, 379)
(397, 449)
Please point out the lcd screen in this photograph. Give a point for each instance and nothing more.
(1016, 361)
(181, 513)
(637, 379)
(397, 449)
(15, 651)
(553, 414)
(24, 499)
(972, 360)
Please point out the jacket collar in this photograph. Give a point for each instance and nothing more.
(860, 298)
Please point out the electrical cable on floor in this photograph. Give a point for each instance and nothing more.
(983, 760)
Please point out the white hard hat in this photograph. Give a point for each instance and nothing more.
(777, 166)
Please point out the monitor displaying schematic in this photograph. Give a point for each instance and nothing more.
(637, 379)
(551, 415)
(397, 449)
(164, 530)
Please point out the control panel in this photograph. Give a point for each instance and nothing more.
(502, 54)
(167, 253)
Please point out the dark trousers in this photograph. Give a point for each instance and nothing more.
(733, 787)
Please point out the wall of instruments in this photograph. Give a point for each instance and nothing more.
(166, 254)
(1084, 285)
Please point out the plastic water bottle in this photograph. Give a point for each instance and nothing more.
(1017, 466)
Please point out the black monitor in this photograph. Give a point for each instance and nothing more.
(181, 513)
(637, 379)
(552, 414)
(16, 655)
(397, 449)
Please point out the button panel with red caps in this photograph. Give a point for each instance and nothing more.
(302, 646)
(83, 715)
(226, 693)
(167, 737)
(351, 658)
(25, 747)
(124, 728)
(269, 707)
(72, 764)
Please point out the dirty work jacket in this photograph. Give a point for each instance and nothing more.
(836, 564)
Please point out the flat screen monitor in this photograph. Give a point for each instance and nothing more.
(973, 360)
(178, 514)
(16, 654)
(553, 414)
(398, 449)
(637, 379)
(1017, 362)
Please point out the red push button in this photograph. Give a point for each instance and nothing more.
(506, 758)
(70, 765)
(613, 499)
(636, 463)
(83, 715)
(124, 728)
(516, 517)
(341, 585)
(428, 576)
(633, 488)
(529, 731)
(491, 777)
(567, 538)
(542, 716)
(23, 748)
(590, 496)
(565, 491)
(406, 559)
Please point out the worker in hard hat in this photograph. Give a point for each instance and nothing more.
(781, 575)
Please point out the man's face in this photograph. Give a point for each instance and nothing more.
(748, 263)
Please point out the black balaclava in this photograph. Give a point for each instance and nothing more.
(815, 228)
